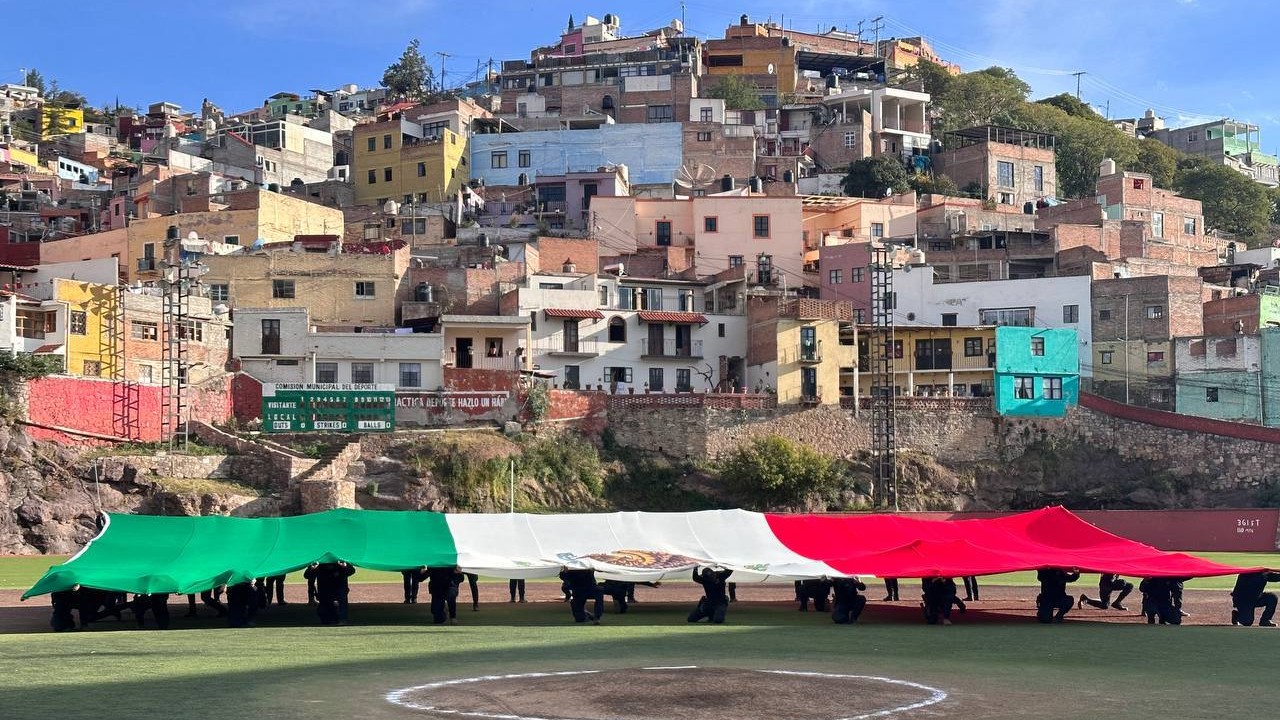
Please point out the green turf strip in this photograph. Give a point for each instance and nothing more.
(1014, 669)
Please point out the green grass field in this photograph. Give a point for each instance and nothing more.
(284, 668)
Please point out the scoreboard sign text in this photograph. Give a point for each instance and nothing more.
(328, 407)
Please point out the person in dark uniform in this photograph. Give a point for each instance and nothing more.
(581, 584)
(443, 593)
(891, 589)
(412, 580)
(939, 594)
(733, 592)
(1107, 584)
(97, 604)
(64, 603)
(473, 581)
(1054, 603)
(516, 586)
(191, 605)
(1249, 594)
(260, 592)
(617, 590)
(344, 572)
(970, 588)
(242, 604)
(275, 586)
(213, 598)
(631, 589)
(331, 586)
(847, 600)
(1157, 601)
(816, 589)
(715, 601)
(1175, 590)
(311, 585)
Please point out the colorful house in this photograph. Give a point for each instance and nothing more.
(1037, 371)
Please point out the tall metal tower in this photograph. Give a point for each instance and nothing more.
(883, 427)
(178, 281)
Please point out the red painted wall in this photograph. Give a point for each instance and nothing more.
(1176, 421)
(89, 405)
(586, 411)
(246, 398)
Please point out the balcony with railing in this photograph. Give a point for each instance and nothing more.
(809, 352)
(950, 363)
(563, 345)
(811, 395)
(668, 348)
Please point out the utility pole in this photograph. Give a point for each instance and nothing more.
(878, 25)
(1126, 349)
(443, 56)
(681, 18)
(1078, 74)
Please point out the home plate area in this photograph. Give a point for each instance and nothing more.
(669, 693)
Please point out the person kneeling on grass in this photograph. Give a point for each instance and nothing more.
(1249, 595)
(1157, 601)
(939, 594)
(848, 602)
(581, 586)
(1054, 603)
(715, 599)
(1107, 584)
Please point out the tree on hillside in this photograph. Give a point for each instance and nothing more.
(1081, 144)
(738, 93)
(1232, 202)
(35, 80)
(410, 77)
(935, 184)
(932, 77)
(983, 97)
(774, 472)
(1071, 105)
(875, 177)
(1157, 160)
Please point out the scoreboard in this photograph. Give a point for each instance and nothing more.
(328, 407)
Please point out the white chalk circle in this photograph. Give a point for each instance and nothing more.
(669, 693)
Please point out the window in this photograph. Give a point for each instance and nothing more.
(139, 330)
(282, 289)
(652, 298)
(498, 159)
(410, 374)
(386, 174)
(834, 277)
(1211, 394)
(617, 330)
(326, 372)
(711, 224)
(655, 379)
(270, 337)
(1024, 387)
(705, 114)
(1037, 174)
(1037, 346)
(1139, 183)
(365, 289)
(287, 363)
(617, 374)
(877, 230)
(192, 330)
(660, 114)
(524, 158)
(1157, 224)
(851, 140)
(386, 142)
(720, 330)
(1106, 356)
(949, 319)
(1070, 313)
(219, 292)
(92, 368)
(361, 372)
(146, 374)
(627, 298)
(571, 381)
(760, 226)
(373, 177)
(704, 137)
(1052, 388)
(1154, 358)
(373, 144)
(570, 49)
(973, 347)
(662, 231)
(422, 169)
(735, 261)
(1004, 174)
(1016, 317)
(856, 274)
(1104, 314)
(1155, 312)
(859, 315)
(79, 324)
(684, 380)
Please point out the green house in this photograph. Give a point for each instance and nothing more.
(1037, 371)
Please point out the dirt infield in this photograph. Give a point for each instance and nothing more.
(669, 693)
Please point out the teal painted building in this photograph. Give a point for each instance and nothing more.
(1037, 371)
(1233, 377)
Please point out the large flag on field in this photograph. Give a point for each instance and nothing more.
(150, 554)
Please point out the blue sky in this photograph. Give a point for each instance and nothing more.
(1187, 58)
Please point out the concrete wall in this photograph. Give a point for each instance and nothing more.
(651, 152)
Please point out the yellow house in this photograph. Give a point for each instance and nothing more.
(390, 164)
(56, 119)
(795, 348)
(241, 219)
(91, 350)
(932, 361)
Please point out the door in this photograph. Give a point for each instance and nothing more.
(462, 353)
(571, 336)
(809, 383)
(270, 337)
(808, 343)
(655, 340)
(684, 340)
(571, 377)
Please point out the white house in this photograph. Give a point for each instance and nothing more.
(635, 334)
(1053, 302)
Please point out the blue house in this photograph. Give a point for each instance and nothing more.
(1037, 371)
(652, 152)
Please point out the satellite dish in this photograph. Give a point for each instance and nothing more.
(696, 175)
(771, 69)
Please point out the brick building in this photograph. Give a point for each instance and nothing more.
(1012, 167)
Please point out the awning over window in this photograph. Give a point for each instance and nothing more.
(574, 314)
(47, 349)
(667, 316)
